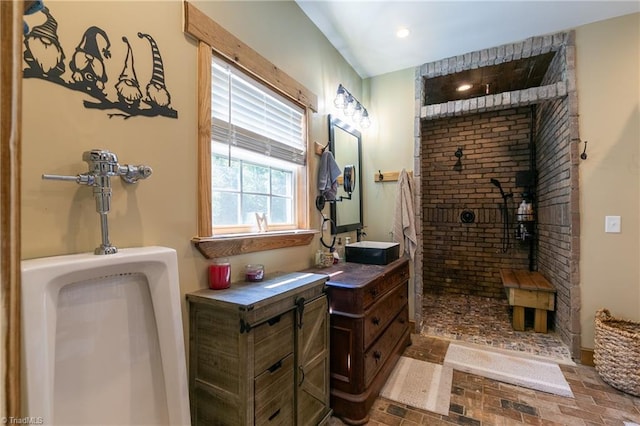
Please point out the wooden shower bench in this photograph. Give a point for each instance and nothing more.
(526, 289)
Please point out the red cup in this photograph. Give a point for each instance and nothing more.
(219, 275)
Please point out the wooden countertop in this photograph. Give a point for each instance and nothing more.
(354, 275)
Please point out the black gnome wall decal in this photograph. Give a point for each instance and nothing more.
(43, 53)
(156, 90)
(88, 71)
(128, 87)
(87, 63)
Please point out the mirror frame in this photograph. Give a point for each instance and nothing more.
(335, 124)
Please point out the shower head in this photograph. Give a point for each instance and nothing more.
(496, 182)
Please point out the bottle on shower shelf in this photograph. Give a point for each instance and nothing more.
(525, 218)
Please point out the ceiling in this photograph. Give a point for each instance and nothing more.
(364, 31)
(505, 77)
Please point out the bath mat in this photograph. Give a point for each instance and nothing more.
(420, 384)
(508, 367)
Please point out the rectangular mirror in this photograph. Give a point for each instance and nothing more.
(345, 144)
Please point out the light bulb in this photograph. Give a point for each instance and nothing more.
(341, 99)
(357, 113)
(402, 32)
(365, 122)
(351, 106)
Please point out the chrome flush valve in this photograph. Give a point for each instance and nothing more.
(102, 166)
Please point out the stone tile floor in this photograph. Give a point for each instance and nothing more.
(485, 321)
(477, 400)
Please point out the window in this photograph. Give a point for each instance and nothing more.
(258, 153)
(243, 188)
(283, 159)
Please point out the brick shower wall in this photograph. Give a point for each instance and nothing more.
(466, 258)
(557, 199)
(553, 196)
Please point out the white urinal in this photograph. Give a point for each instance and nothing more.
(102, 339)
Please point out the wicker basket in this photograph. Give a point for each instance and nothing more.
(617, 352)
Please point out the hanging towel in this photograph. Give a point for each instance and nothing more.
(404, 229)
(328, 173)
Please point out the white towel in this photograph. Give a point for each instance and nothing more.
(328, 173)
(404, 229)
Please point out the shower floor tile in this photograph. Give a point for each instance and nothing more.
(485, 321)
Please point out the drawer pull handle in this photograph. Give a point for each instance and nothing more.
(373, 292)
(402, 320)
(300, 310)
(301, 375)
(274, 415)
(377, 355)
(275, 366)
(375, 321)
(274, 320)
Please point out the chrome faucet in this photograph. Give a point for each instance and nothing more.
(102, 166)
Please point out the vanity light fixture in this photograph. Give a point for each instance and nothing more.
(464, 87)
(351, 107)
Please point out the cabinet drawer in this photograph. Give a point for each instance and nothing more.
(274, 394)
(380, 351)
(273, 340)
(379, 287)
(383, 312)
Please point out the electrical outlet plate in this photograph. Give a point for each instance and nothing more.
(612, 224)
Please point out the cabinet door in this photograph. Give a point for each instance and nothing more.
(312, 375)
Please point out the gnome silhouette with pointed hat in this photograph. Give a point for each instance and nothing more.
(157, 93)
(127, 87)
(87, 63)
(43, 54)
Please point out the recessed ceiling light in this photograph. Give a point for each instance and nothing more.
(402, 32)
(463, 87)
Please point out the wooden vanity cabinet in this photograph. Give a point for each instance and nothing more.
(370, 329)
(259, 353)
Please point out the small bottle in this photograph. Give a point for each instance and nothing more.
(522, 209)
(347, 241)
(529, 212)
(340, 250)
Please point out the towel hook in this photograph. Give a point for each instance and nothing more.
(584, 153)
(380, 175)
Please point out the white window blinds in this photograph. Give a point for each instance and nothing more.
(261, 120)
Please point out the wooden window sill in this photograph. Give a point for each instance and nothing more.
(234, 244)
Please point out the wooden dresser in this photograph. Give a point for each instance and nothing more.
(369, 312)
(259, 353)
